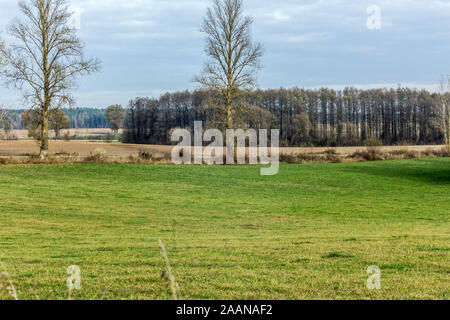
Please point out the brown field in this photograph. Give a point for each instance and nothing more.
(345, 151)
(23, 134)
(82, 148)
(85, 148)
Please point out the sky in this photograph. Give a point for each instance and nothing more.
(149, 47)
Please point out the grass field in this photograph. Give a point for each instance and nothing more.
(308, 233)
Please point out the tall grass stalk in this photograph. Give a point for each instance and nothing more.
(10, 286)
(167, 273)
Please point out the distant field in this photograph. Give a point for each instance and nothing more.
(23, 134)
(17, 148)
(308, 233)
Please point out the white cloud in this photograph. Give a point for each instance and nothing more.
(278, 15)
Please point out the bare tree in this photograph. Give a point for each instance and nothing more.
(444, 112)
(3, 113)
(5, 122)
(45, 58)
(234, 56)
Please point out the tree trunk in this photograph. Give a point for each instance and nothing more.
(445, 123)
(43, 153)
(229, 117)
(229, 98)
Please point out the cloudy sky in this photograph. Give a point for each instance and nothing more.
(148, 47)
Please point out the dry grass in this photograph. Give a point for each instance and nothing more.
(365, 154)
(82, 148)
(167, 273)
(16, 148)
(25, 152)
(345, 151)
(6, 282)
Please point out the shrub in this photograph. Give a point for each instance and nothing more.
(330, 152)
(332, 156)
(288, 158)
(444, 152)
(373, 142)
(369, 155)
(145, 155)
(161, 157)
(98, 157)
(405, 154)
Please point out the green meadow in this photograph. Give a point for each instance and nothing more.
(309, 232)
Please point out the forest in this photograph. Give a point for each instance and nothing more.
(321, 117)
(305, 117)
(83, 118)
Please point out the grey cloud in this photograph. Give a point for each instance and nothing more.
(152, 46)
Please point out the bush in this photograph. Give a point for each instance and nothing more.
(444, 152)
(369, 155)
(330, 152)
(98, 157)
(373, 142)
(145, 155)
(288, 158)
(405, 154)
(332, 156)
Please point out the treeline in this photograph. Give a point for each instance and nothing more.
(14, 119)
(83, 118)
(87, 118)
(320, 117)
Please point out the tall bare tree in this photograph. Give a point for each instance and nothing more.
(5, 122)
(234, 57)
(3, 113)
(444, 111)
(44, 58)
